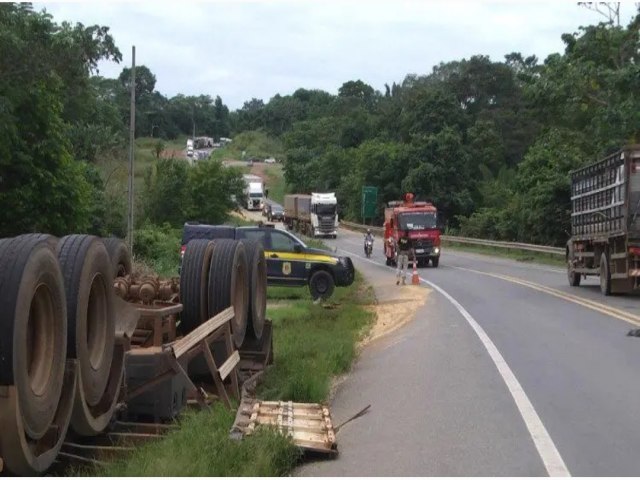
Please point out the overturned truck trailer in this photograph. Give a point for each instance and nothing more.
(85, 342)
(605, 222)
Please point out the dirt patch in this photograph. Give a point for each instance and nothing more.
(241, 214)
(393, 314)
(390, 315)
(259, 169)
(170, 153)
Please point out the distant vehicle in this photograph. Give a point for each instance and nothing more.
(189, 151)
(270, 160)
(276, 214)
(217, 145)
(312, 215)
(203, 142)
(250, 162)
(289, 261)
(254, 192)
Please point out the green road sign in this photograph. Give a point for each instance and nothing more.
(369, 202)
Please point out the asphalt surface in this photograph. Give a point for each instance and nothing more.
(441, 407)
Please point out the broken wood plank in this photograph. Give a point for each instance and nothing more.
(183, 345)
(215, 374)
(230, 363)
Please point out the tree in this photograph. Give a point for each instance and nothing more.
(212, 189)
(221, 119)
(166, 193)
(440, 173)
(145, 81)
(45, 96)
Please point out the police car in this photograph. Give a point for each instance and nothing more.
(290, 261)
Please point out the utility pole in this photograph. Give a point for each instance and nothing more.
(132, 134)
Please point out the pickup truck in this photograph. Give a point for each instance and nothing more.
(290, 262)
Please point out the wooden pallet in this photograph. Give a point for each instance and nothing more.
(309, 425)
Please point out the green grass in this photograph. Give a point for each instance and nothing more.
(201, 447)
(224, 153)
(518, 255)
(254, 143)
(275, 183)
(312, 343)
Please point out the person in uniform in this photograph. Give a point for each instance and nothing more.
(405, 248)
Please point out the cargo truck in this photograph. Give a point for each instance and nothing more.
(313, 215)
(253, 192)
(605, 222)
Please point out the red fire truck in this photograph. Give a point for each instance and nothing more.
(420, 220)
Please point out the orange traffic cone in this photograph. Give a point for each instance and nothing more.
(415, 278)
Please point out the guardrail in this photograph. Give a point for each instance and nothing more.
(472, 241)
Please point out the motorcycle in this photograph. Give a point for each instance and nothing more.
(368, 247)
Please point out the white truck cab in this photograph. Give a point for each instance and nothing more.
(324, 214)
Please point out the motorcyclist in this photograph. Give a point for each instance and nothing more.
(368, 237)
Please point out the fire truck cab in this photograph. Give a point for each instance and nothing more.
(420, 220)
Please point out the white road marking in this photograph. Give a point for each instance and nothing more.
(547, 450)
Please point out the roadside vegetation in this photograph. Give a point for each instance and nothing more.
(275, 183)
(314, 343)
(518, 255)
(254, 143)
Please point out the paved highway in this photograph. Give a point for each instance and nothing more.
(505, 371)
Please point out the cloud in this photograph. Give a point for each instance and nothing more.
(247, 48)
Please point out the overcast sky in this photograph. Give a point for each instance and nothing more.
(241, 49)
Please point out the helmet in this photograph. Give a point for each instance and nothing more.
(368, 230)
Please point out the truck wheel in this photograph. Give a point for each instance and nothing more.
(321, 285)
(605, 275)
(228, 285)
(257, 276)
(193, 283)
(120, 256)
(91, 339)
(34, 329)
(573, 277)
(33, 341)
(435, 261)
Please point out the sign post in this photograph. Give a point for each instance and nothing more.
(369, 203)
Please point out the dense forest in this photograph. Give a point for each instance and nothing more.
(64, 132)
(489, 142)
